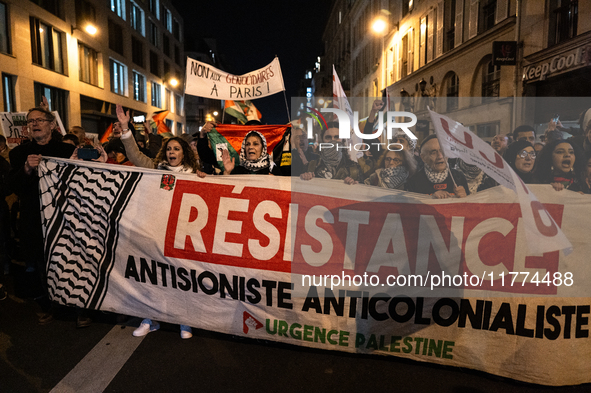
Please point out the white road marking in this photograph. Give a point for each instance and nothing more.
(98, 368)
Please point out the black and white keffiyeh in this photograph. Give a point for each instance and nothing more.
(331, 157)
(435, 177)
(394, 177)
(254, 165)
(412, 143)
(470, 171)
(474, 175)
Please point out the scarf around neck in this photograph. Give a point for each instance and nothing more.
(260, 163)
(474, 175)
(179, 168)
(435, 177)
(331, 158)
(394, 177)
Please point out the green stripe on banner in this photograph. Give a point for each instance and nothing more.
(216, 139)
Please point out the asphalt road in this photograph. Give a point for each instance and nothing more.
(58, 357)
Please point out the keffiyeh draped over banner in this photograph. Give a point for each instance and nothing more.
(231, 254)
(204, 80)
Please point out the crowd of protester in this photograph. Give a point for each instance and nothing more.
(565, 164)
(423, 168)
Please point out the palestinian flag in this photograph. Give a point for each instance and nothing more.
(107, 134)
(161, 126)
(242, 110)
(230, 136)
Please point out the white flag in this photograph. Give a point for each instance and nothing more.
(456, 141)
(340, 102)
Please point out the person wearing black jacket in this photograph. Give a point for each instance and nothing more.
(4, 224)
(254, 159)
(521, 157)
(301, 153)
(434, 179)
(24, 181)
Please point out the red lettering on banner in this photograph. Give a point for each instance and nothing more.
(498, 160)
(211, 223)
(401, 238)
(467, 137)
(546, 230)
(248, 227)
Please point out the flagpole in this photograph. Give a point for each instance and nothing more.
(449, 169)
(445, 158)
(286, 107)
(224, 111)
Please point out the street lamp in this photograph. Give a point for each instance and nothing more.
(422, 85)
(89, 28)
(379, 26)
(173, 82)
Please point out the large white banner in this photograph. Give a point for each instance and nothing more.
(204, 80)
(326, 265)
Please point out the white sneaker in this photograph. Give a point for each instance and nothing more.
(186, 332)
(146, 328)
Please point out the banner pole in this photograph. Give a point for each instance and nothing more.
(449, 170)
(286, 107)
(446, 160)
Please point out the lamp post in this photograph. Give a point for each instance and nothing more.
(379, 26)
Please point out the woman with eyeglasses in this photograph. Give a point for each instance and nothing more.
(557, 164)
(521, 156)
(394, 167)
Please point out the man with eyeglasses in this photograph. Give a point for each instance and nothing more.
(24, 181)
(434, 179)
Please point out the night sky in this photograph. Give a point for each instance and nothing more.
(250, 34)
